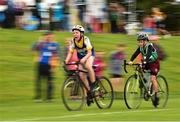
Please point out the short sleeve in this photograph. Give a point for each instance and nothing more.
(87, 43)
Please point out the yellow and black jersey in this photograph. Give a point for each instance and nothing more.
(81, 46)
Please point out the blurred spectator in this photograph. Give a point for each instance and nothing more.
(81, 5)
(48, 60)
(121, 23)
(9, 21)
(87, 21)
(43, 9)
(97, 15)
(149, 25)
(19, 12)
(113, 17)
(117, 58)
(96, 25)
(99, 63)
(66, 11)
(3, 7)
(159, 18)
(56, 16)
(31, 23)
(36, 13)
(3, 2)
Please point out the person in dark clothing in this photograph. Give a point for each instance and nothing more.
(48, 59)
(150, 60)
(9, 21)
(116, 67)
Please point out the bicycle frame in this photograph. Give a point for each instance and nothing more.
(76, 73)
(145, 88)
(139, 73)
(103, 97)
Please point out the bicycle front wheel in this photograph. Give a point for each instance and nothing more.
(163, 91)
(132, 92)
(72, 94)
(104, 96)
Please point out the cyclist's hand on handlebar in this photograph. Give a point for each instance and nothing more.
(66, 62)
(143, 63)
(130, 62)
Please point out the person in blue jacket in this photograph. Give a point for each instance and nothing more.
(48, 58)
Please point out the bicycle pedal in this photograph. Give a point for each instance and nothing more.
(89, 101)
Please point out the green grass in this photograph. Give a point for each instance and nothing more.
(17, 81)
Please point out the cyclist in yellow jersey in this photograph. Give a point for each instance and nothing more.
(85, 53)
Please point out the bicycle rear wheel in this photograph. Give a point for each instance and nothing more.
(163, 91)
(104, 96)
(72, 94)
(132, 92)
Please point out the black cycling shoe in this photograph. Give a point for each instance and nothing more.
(156, 101)
(89, 98)
(94, 87)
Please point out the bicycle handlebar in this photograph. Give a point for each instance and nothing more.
(73, 63)
(135, 64)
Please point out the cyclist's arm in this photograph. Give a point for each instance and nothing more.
(70, 52)
(149, 53)
(136, 53)
(87, 43)
(68, 57)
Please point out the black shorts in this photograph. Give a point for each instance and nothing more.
(45, 70)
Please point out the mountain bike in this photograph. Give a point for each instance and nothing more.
(73, 90)
(138, 87)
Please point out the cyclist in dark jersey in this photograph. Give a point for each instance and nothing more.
(85, 53)
(150, 59)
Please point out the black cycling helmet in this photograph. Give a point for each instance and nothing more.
(142, 36)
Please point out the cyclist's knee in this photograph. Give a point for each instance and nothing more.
(153, 77)
(82, 76)
(88, 66)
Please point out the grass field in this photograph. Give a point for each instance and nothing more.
(17, 82)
